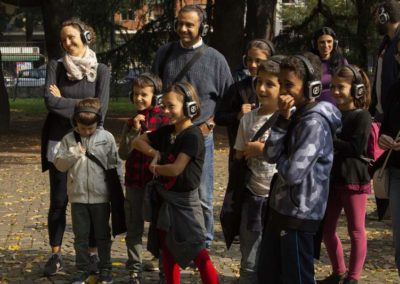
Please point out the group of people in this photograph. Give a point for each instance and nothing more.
(300, 122)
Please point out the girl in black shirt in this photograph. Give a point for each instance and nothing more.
(178, 152)
(350, 180)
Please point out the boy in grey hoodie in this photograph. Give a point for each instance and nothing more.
(301, 145)
(86, 186)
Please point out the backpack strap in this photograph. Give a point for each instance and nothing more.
(267, 125)
(191, 62)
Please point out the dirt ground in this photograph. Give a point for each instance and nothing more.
(22, 147)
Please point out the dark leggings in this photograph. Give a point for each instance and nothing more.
(56, 219)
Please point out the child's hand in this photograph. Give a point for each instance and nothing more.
(136, 121)
(82, 149)
(285, 103)
(54, 90)
(245, 109)
(253, 149)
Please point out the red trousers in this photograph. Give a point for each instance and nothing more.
(202, 261)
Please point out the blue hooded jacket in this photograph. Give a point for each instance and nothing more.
(302, 149)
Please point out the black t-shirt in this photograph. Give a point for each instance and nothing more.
(191, 142)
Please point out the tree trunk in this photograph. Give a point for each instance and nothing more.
(4, 104)
(228, 28)
(54, 13)
(363, 36)
(260, 19)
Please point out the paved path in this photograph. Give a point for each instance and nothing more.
(24, 242)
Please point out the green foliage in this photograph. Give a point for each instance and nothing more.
(34, 107)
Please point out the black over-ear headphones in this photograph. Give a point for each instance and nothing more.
(357, 86)
(79, 110)
(86, 36)
(190, 107)
(321, 32)
(312, 86)
(157, 95)
(383, 16)
(204, 27)
(267, 42)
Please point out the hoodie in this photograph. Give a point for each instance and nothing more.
(302, 148)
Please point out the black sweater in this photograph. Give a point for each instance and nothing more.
(391, 121)
(349, 145)
(61, 109)
(228, 108)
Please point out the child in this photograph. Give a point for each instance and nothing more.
(241, 97)
(300, 143)
(180, 220)
(255, 196)
(145, 89)
(350, 180)
(86, 187)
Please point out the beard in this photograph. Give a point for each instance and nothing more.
(382, 29)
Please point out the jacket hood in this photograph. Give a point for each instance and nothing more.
(327, 110)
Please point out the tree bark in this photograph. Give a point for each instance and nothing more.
(54, 13)
(4, 104)
(260, 19)
(228, 26)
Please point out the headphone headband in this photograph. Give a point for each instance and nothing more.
(86, 109)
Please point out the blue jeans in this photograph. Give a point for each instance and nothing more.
(250, 249)
(206, 189)
(286, 256)
(394, 197)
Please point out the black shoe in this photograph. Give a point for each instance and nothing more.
(53, 265)
(81, 277)
(135, 278)
(105, 277)
(350, 281)
(151, 265)
(334, 278)
(94, 261)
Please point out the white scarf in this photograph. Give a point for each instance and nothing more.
(79, 67)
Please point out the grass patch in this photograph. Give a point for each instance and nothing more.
(33, 107)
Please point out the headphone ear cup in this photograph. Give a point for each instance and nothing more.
(335, 44)
(204, 28)
(191, 109)
(357, 91)
(176, 25)
(313, 45)
(87, 36)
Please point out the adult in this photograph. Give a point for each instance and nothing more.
(325, 45)
(387, 141)
(210, 75)
(75, 76)
(387, 20)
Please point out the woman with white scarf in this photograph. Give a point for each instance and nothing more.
(75, 76)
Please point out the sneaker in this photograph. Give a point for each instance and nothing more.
(350, 281)
(53, 265)
(94, 261)
(105, 277)
(151, 265)
(334, 278)
(81, 277)
(135, 278)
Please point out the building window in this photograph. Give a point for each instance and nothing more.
(128, 15)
